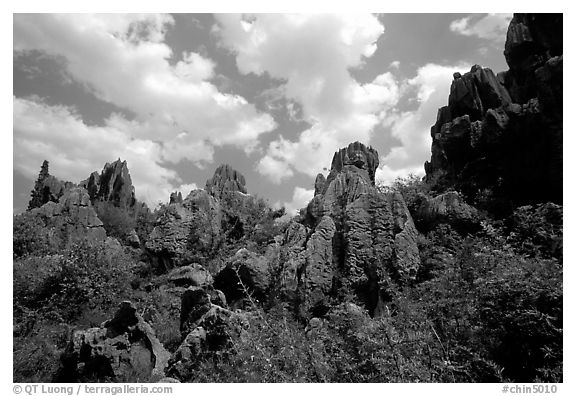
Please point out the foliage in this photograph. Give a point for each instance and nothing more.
(504, 306)
(118, 222)
(30, 236)
(413, 189)
(55, 292)
(87, 274)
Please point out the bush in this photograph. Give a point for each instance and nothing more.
(412, 188)
(118, 222)
(505, 307)
(31, 237)
(84, 275)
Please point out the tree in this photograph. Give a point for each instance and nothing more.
(40, 194)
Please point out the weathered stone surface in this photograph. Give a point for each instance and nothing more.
(448, 208)
(226, 179)
(133, 239)
(72, 217)
(319, 184)
(499, 140)
(208, 329)
(190, 275)
(359, 239)
(176, 197)
(357, 155)
(291, 247)
(245, 269)
(195, 303)
(185, 232)
(124, 348)
(114, 185)
(318, 269)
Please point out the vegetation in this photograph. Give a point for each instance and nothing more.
(53, 293)
(485, 307)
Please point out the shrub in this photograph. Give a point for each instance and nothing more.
(505, 307)
(118, 222)
(86, 274)
(31, 237)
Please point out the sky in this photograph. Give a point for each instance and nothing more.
(273, 95)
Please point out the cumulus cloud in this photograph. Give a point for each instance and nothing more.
(312, 54)
(490, 26)
(300, 199)
(412, 128)
(123, 59)
(75, 149)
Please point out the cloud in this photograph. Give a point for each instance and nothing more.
(300, 199)
(123, 59)
(311, 55)
(489, 27)
(412, 128)
(75, 149)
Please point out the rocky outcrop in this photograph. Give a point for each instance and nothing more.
(72, 217)
(358, 239)
(447, 208)
(123, 349)
(186, 232)
(47, 188)
(499, 140)
(225, 180)
(113, 184)
(176, 198)
(190, 275)
(245, 272)
(208, 328)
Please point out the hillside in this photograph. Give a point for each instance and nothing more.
(456, 277)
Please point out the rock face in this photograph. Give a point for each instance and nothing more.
(447, 208)
(113, 184)
(47, 188)
(124, 348)
(190, 275)
(499, 140)
(244, 270)
(358, 239)
(185, 231)
(176, 197)
(225, 179)
(72, 217)
(208, 328)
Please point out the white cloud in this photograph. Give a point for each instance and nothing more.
(490, 26)
(75, 149)
(185, 189)
(312, 55)
(300, 199)
(432, 83)
(123, 59)
(274, 169)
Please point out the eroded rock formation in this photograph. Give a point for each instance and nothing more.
(357, 239)
(185, 231)
(113, 184)
(124, 348)
(225, 179)
(499, 140)
(72, 217)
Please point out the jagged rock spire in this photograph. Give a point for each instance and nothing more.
(226, 179)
